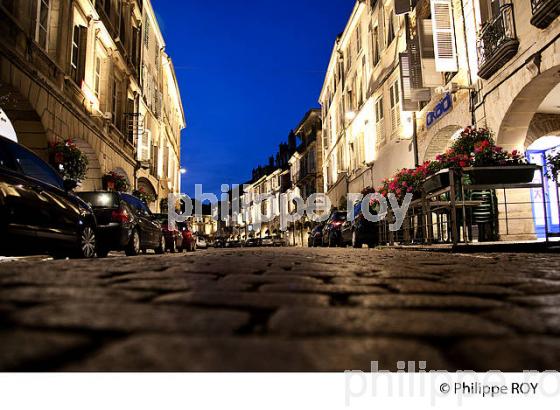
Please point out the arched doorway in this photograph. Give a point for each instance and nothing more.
(442, 141)
(537, 105)
(532, 124)
(25, 120)
(145, 185)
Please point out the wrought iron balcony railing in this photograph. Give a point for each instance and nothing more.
(544, 12)
(497, 42)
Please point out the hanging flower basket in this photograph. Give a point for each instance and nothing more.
(68, 160)
(115, 182)
(144, 196)
(500, 175)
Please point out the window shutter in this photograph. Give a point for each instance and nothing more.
(140, 145)
(406, 83)
(444, 36)
(83, 32)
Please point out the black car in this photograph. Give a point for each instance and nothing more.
(315, 238)
(38, 211)
(253, 242)
(124, 222)
(332, 232)
(220, 243)
(360, 231)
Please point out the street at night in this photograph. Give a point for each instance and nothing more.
(282, 309)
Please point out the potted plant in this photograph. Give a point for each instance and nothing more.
(68, 160)
(144, 196)
(493, 165)
(115, 182)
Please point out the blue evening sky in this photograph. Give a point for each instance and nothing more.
(248, 71)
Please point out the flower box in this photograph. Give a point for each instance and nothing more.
(436, 182)
(500, 175)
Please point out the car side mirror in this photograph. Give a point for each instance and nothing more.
(70, 185)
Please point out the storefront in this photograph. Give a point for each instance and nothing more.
(537, 153)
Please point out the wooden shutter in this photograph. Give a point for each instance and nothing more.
(444, 36)
(82, 47)
(406, 83)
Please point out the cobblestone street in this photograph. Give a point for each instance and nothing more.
(282, 310)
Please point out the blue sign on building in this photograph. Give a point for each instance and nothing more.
(442, 108)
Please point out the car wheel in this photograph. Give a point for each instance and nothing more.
(133, 247)
(356, 243)
(88, 244)
(160, 250)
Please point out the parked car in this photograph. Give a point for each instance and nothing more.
(173, 237)
(189, 241)
(253, 242)
(38, 211)
(279, 241)
(201, 242)
(219, 243)
(360, 231)
(124, 223)
(315, 238)
(233, 243)
(332, 232)
(267, 241)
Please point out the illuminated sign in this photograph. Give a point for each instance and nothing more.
(440, 110)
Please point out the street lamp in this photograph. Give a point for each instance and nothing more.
(183, 171)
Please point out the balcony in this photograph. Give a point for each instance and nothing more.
(497, 42)
(544, 12)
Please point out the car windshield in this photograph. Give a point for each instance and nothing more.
(100, 199)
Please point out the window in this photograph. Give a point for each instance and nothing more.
(42, 23)
(147, 33)
(144, 145)
(395, 107)
(97, 79)
(115, 101)
(379, 123)
(390, 28)
(78, 54)
(359, 38)
(34, 167)
(375, 46)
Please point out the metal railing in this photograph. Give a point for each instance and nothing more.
(496, 33)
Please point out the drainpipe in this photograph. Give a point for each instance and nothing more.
(415, 140)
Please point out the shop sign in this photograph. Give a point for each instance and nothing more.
(440, 110)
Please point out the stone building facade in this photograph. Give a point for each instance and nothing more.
(451, 64)
(367, 133)
(73, 70)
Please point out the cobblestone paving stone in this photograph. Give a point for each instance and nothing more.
(282, 310)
